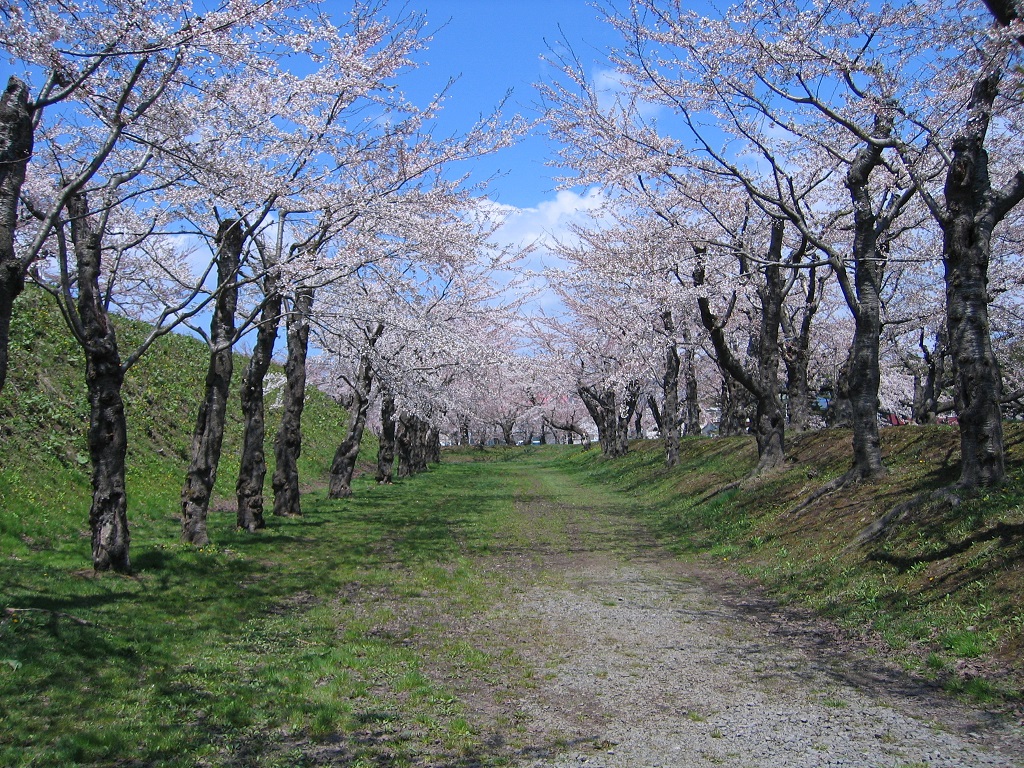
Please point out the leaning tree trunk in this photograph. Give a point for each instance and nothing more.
(344, 464)
(386, 446)
(288, 442)
(670, 386)
(104, 377)
(763, 382)
(622, 416)
(208, 437)
(603, 409)
(16, 141)
(252, 469)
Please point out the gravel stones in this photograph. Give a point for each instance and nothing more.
(650, 668)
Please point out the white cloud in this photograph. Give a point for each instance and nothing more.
(540, 228)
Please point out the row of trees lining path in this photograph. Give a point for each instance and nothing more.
(760, 198)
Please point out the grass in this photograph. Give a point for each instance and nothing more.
(325, 634)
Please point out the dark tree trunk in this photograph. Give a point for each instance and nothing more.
(840, 412)
(16, 141)
(973, 209)
(670, 387)
(386, 449)
(796, 353)
(107, 437)
(416, 441)
(344, 464)
(869, 263)
(507, 428)
(252, 470)
(208, 437)
(288, 441)
(928, 386)
(463, 430)
(602, 407)
(737, 407)
(404, 438)
(763, 381)
(691, 399)
(421, 452)
(432, 450)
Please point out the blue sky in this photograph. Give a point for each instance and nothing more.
(494, 46)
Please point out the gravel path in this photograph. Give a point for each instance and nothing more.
(645, 661)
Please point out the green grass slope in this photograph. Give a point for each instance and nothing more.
(941, 589)
(44, 469)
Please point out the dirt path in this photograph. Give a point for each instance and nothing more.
(645, 661)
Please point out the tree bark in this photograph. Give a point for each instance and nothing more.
(796, 353)
(104, 376)
(929, 384)
(252, 469)
(386, 448)
(691, 400)
(973, 209)
(869, 258)
(670, 387)
(344, 464)
(288, 441)
(16, 139)
(208, 437)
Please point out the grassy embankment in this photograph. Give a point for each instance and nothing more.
(289, 647)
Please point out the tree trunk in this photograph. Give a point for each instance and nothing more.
(386, 449)
(928, 387)
(603, 409)
(104, 376)
(16, 139)
(344, 464)
(670, 386)
(433, 445)
(404, 444)
(252, 470)
(208, 437)
(763, 381)
(691, 400)
(288, 441)
(840, 412)
(797, 356)
(506, 431)
(869, 264)
(972, 211)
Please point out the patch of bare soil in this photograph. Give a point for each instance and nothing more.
(639, 660)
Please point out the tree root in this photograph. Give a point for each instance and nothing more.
(720, 489)
(1001, 530)
(881, 527)
(832, 486)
